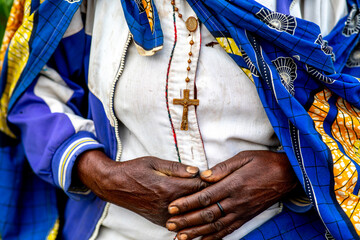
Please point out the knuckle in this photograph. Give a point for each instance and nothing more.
(184, 205)
(217, 226)
(230, 230)
(207, 216)
(217, 237)
(223, 167)
(205, 199)
(199, 185)
(149, 162)
(174, 167)
(183, 222)
(194, 233)
(163, 205)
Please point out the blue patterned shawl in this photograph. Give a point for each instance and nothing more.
(309, 87)
(307, 83)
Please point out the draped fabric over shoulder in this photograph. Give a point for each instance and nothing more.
(28, 205)
(309, 85)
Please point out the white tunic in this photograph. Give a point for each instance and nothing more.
(229, 119)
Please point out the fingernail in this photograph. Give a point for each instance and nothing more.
(174, 210)
(183, 236)
(192, 170)
(171, 226)
(206, 173)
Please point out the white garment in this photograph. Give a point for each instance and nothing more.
(229, 119)
(325, 13)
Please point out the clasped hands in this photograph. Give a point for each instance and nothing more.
(177, 196)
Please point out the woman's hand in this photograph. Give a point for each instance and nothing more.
(144, 185)
(244, 185)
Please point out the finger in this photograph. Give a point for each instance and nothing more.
(174, 169)
(200, 217)
(223, 169)
(184, 186)
(225, 231)
(207, 229)
(204, 198)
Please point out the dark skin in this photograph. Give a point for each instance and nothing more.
(171, 193)
(144, 185)
(244, 185)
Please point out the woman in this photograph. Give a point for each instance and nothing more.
(158, 126)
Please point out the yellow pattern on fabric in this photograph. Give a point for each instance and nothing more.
(346, 129)
(248, 73)
(18, 55)
(345, 174)
(54, 231)
(149, 12)
(357, 147)
(14, 22)
(229, 45)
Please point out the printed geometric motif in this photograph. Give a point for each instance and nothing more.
(140, 6)
(318, 75)
(14, 22)
(18, 53)
(352, 25)
(345, 129)
(286, 68)
(328, 50)
(354, 58)
(229, 45)
(249, 63)
(329, 236)
(147, 5)
(278, 21)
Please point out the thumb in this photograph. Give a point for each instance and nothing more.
(223, 169)
(174, 169)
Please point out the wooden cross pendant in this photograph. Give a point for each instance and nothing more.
(186, 102)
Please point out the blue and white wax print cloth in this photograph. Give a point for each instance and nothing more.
(309, 87)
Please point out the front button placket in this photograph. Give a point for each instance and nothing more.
(181, 87)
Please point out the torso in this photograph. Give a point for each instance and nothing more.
(229, 118)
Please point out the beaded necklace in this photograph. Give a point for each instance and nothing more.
(191, 24)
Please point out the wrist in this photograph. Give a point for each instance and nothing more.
(91, 167)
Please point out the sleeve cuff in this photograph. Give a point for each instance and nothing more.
(298, 201)
(64, 160)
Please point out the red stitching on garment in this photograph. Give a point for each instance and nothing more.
(166, 88)
(195, 95)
